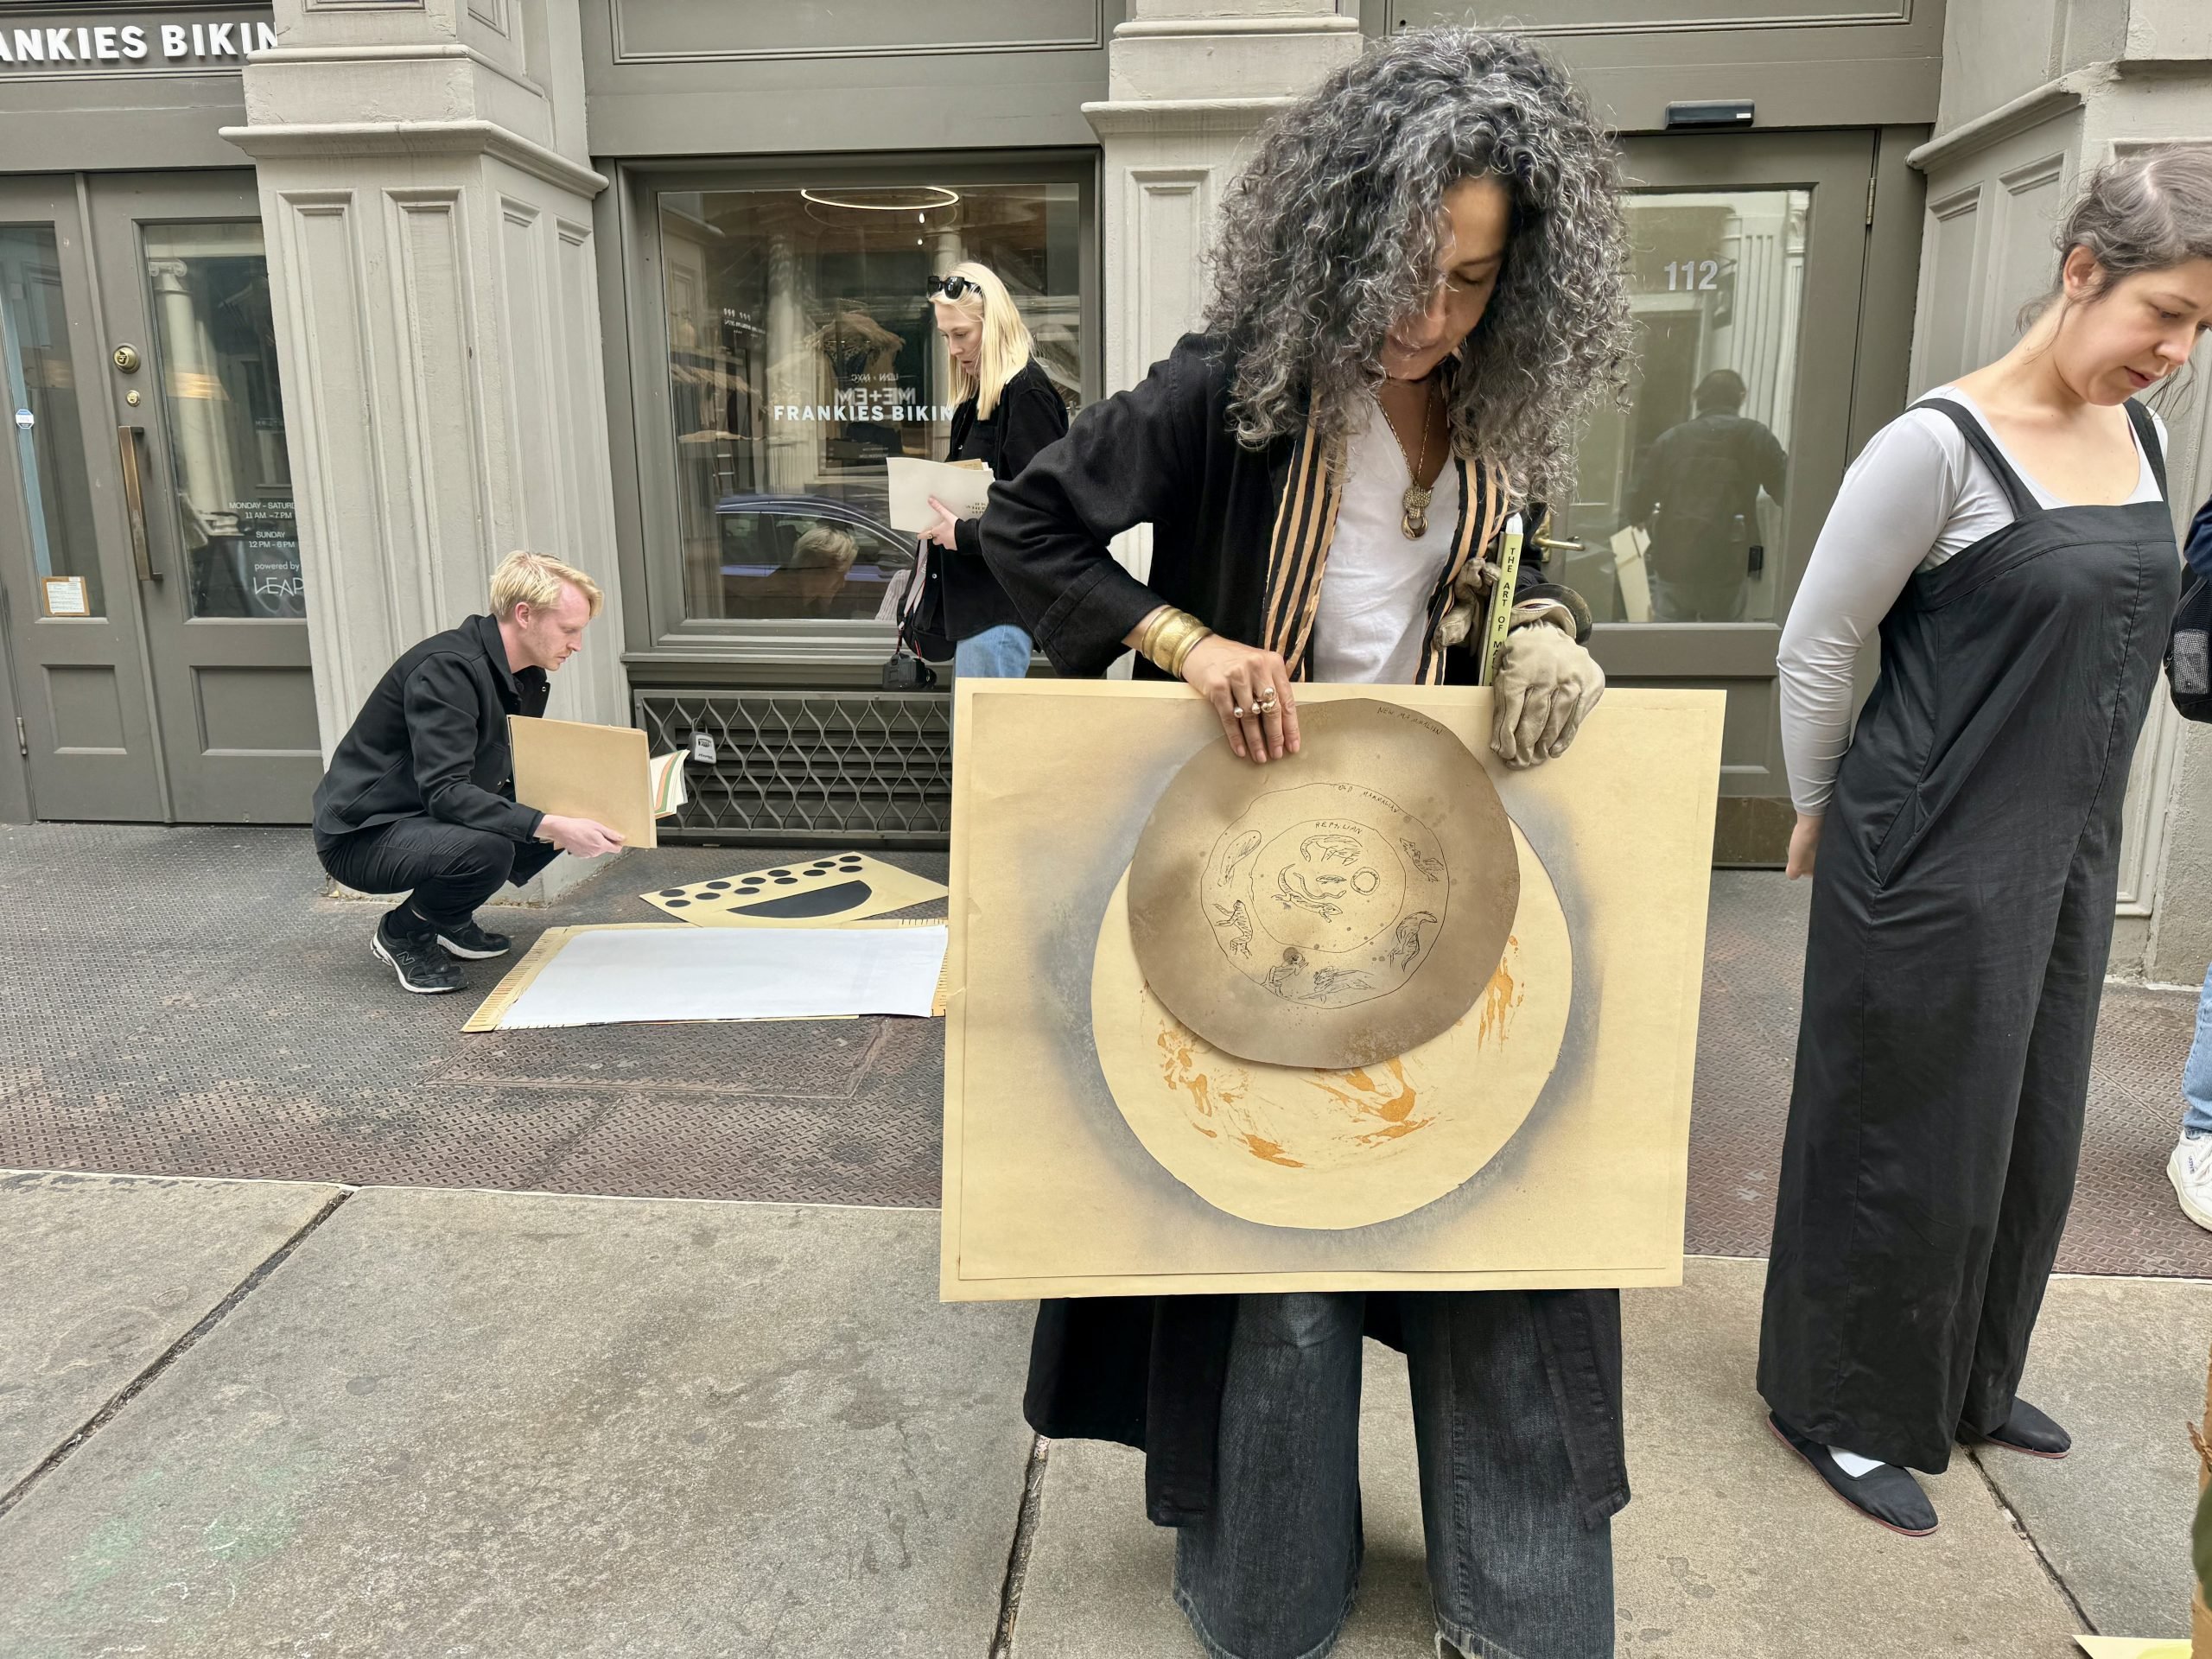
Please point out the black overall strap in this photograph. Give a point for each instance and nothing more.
(2147, 434)
(2025, 505)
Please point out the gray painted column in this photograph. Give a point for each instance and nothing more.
(1188, 85)
(428, 206)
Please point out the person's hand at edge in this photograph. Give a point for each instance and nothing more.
(580, 838)
(1250, 690)
(945, 532)
(1804, 844)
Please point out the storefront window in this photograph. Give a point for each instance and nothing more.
(218, 364)
(1679, 497)
(802, 353)
(41, 406)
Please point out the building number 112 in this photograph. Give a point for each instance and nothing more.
(1693, 273)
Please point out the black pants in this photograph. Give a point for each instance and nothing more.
(448, 869)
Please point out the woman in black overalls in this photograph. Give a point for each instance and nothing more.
(1967, 864)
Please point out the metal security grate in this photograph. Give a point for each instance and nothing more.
(801, 767)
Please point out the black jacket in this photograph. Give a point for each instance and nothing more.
(1029, 414)
(1239, 537)
(431, 742)
(1698, 488)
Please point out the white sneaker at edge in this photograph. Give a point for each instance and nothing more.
(2190, 1171)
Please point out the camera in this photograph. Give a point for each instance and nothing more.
(905, 673)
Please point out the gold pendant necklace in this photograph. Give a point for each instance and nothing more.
(1413, 518)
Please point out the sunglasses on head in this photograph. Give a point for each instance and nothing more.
(953, 286)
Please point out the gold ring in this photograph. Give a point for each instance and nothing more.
(1267, 702)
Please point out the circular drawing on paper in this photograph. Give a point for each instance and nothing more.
(1338, 1147)
(1335, 907)
(1326, 894)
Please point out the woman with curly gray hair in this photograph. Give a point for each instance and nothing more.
(1420, 291)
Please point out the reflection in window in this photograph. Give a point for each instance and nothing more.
(803, 352)
(41, 411)
(1679, 498)
(218, 363)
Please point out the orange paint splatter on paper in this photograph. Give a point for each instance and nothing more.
(1180, 1070)
(1262, 1148)
(1391, 1098)
(1504, 994)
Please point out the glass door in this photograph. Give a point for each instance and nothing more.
(1697, 505)
(206, 481)
(75, 649)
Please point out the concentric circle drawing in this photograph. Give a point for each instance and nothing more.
(1342, 1147)
(1332, 908)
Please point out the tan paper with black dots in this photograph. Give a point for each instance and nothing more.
(823, 891)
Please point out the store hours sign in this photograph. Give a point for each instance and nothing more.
(119, 42)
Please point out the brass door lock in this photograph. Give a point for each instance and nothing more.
(127, 359)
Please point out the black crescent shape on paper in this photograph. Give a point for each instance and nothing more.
(823, 901)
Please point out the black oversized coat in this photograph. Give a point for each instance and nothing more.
(1240, 537)
(1028, 416)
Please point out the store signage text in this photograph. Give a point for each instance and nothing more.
(861, 411)
(134, 43)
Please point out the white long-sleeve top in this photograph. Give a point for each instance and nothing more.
(1915, 496)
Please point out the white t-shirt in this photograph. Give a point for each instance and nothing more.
(1915, 496)
(1371, 623)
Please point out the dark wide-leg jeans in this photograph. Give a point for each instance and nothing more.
(1514, 1573)
(448, 868)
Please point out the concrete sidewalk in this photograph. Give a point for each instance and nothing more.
(237, 1026)
(256, 1418)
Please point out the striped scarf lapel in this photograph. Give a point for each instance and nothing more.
(1483, 498)
(1306, 523)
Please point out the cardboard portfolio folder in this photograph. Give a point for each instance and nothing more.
(602, 772)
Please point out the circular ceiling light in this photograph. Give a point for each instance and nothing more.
(897, 199)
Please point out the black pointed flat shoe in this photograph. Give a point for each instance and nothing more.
(1888, 1494)
(2030, 1430)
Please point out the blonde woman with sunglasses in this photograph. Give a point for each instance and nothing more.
(1008, 410)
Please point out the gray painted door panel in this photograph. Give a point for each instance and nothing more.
(80, 682)
(183, 277)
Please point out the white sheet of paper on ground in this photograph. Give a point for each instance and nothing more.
(639, 976)
(963, 488)
(2134, 1646)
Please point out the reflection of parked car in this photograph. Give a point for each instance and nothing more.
(778, 550)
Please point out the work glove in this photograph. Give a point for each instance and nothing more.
(1545, 686)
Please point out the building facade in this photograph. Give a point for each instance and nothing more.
(312, 313)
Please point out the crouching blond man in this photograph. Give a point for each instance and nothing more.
(420, 795)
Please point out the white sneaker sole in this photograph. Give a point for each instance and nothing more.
(2189, 1206)
(377, 949)
(466, 955)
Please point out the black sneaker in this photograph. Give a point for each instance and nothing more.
(1884, 1493)
(473, 943)
(418, 964)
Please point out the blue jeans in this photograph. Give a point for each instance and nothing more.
(1513, 1572)
(999, 654)
(2196, 1070)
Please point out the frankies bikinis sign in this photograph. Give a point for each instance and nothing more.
(101, 41)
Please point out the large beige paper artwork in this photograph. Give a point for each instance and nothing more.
(1159, 1076)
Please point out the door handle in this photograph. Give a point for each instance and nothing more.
(127, 440)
